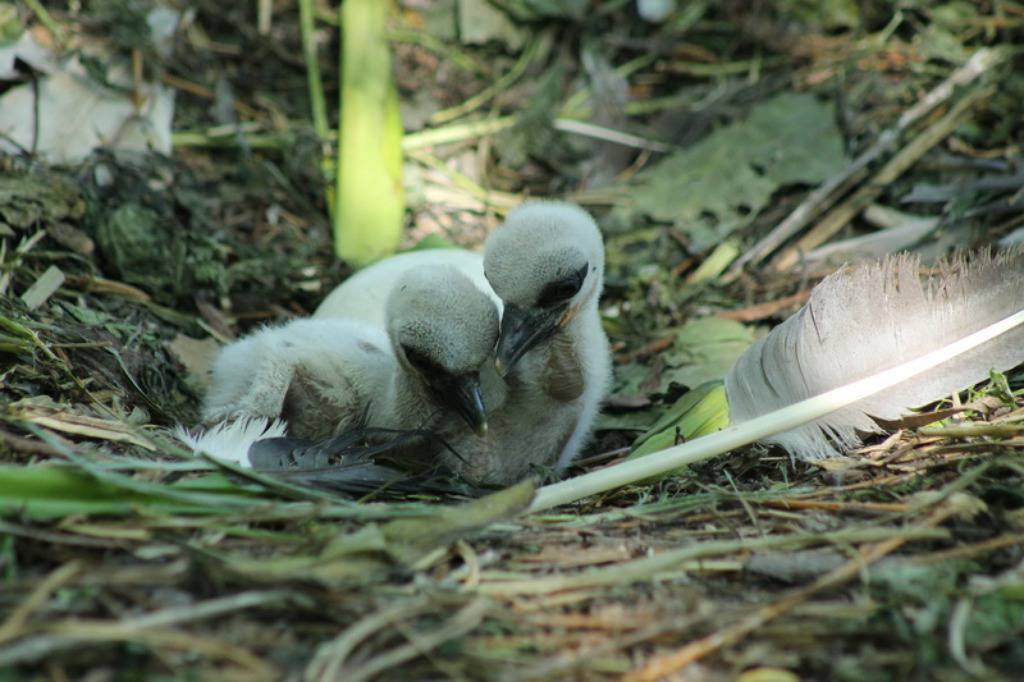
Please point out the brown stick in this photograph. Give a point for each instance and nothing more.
(766, 309)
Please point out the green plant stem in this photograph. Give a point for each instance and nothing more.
(317, 102)
(369, 205)
(449, 134)
(458, 132)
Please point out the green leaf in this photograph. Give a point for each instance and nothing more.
(10, 27)
(723, 182)
(56, 491)
(828, 14)
(940, 44)
(480, 22)
(701, 411)
(434, 241)
(705, 349)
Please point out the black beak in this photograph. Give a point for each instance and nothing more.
(462, 393)
(521, 330)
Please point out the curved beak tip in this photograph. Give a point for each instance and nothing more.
(501, 366)
(467, 399)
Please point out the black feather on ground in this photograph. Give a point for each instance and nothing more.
(362, 462)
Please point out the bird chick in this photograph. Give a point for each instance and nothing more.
(318, 375)
(443, 330)
(362, 296)
(546, 263)
(327, 375)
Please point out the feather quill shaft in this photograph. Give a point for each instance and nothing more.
(1002, 333)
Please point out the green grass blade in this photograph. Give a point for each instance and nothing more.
(46, 492)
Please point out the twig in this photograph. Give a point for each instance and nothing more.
(646, 568)
(896, 166)
(101, 285)
(502, 202)
(467, 619)
(650, 348)
(537, 49)
(974, 431)
(12, 627)
(884, 507)
(210, 608)
(27, 445)
(722, 69)
(766, 309)
(330, 656)
(968, 551)
(34, 533)
(829, 191)
(265, 16)
(457, 133)
(568, 125)
(89, 633)
(221, 136)
(24, 246)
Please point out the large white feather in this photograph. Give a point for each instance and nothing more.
(871, 317)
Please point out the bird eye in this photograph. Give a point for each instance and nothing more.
(421, 361)
(561, 290)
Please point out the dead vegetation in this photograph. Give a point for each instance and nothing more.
(734, 153)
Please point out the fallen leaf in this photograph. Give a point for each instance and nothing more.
(724, 181)
(705, 349)
(196, 354)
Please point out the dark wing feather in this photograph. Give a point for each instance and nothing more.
(360, 462)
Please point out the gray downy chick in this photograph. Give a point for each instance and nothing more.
(546, 263)
(326, 375)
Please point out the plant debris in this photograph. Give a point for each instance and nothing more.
(733, 153)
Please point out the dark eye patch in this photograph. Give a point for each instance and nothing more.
(561, 290)
(421, 361)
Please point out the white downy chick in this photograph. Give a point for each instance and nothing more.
(325, 375)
